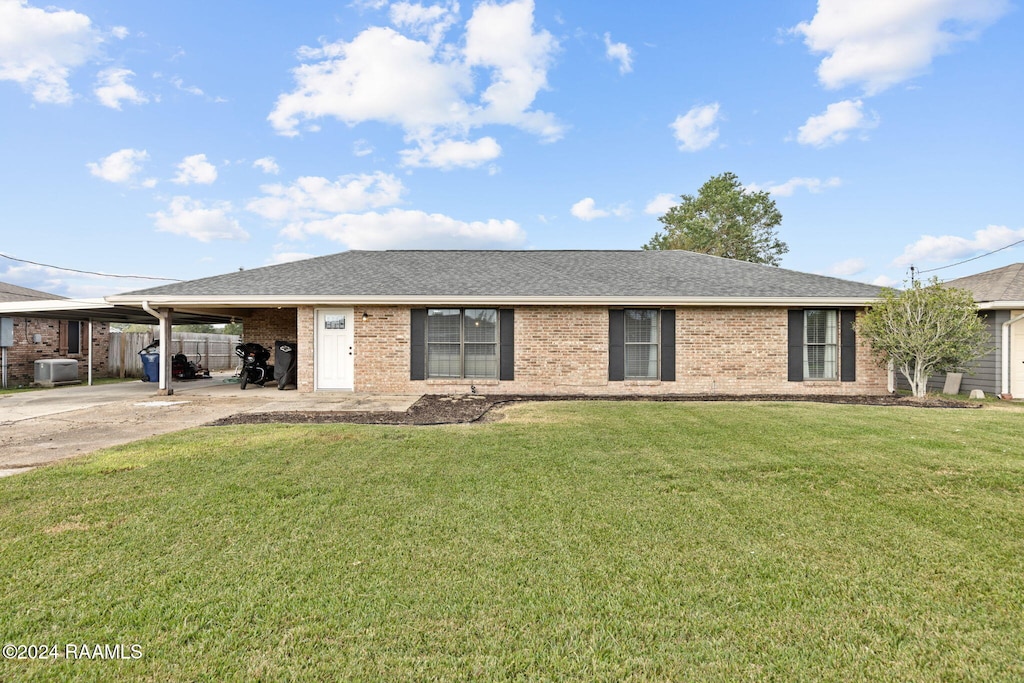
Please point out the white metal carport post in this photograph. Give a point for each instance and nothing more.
(90, 352)
(164, 316)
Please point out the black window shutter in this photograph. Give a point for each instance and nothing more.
(507, 353)
(616, 346)
(848, 348)
(417, 343)
(796, 346)
(668, 345)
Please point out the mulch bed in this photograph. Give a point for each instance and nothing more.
(437, 410)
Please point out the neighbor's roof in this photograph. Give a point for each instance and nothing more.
(1004, 284)
(9, 292)
(410, 276)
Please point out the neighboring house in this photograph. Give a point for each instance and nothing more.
(999, 294)
(38, 338)
(550, 322)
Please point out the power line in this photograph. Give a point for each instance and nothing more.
(89, 272)
(974, 258)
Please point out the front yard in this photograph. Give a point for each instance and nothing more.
(585, 541)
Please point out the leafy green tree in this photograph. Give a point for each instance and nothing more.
(925, 330)
(724, 220)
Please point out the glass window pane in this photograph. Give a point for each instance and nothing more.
(482, 360)
(642, 361)
(443, 360)
(641, 325)
(481, 325)
(820, 349)
(334, 322)
(443, 325)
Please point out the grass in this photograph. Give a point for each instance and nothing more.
(571, 541)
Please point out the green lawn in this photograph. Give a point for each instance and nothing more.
(582, 541)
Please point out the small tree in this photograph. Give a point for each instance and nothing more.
(724, 220)
(925, 330)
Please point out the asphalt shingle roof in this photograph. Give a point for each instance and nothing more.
(518, 273)
(1001, 284)
(10, 293)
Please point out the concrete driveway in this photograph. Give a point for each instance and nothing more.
(45, 426)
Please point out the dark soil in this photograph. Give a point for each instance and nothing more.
(435, 410)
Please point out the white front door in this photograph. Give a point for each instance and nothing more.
(334, 359)
(1017, 356)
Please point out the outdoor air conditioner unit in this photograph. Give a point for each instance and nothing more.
(55, 371)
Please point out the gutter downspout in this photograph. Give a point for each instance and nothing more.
(1006, 352)
(164, 317)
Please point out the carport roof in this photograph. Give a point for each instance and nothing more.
(97, 309)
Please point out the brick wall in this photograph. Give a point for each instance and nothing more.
(564, 350)
(266, 325)
(53, 343)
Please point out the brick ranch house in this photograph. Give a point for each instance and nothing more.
(39, 337)
(547, 322)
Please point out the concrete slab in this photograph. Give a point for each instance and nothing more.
(45, 426)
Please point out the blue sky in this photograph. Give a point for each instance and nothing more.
(189, 139)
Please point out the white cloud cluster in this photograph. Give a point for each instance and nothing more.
(267, 165)
(121, 167)
(786, 189)
(39, 48)
(192, 218)
(427, 86)
(586, 210)
(112, 88)
(660, 204)
(411, 230)
(619, 52)
(848, 267)
(449, 154)
(195, 169)
(931, 249)
(835, 124)
(695, 130)
(345, 210)
(879, 43)
(316, 198)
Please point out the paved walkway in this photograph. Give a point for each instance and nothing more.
(41, 427)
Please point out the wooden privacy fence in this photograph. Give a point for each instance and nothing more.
(214, 351)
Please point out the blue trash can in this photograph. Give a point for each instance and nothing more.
(150, 365)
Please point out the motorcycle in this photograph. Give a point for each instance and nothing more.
(254, 364)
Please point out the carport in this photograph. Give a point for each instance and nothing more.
(100, 310)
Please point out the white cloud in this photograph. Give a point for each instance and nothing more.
(119, 32)
(786, 189)
(880, 43)
(930, 249)
(289, 257)
(428, 88)
(449, 154)
(885, 281)
(315, 198)
(619, 52)
(362, 148)
(112, 88)
(267, 165)
(586, 210)
(660, 204)
(848, 268)
(695, 130)
(191, 218)
(120, 167)
(431, 21)
(195, 169)
(404, 229)
(834, 125)
(39, 48)
(179, 83)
